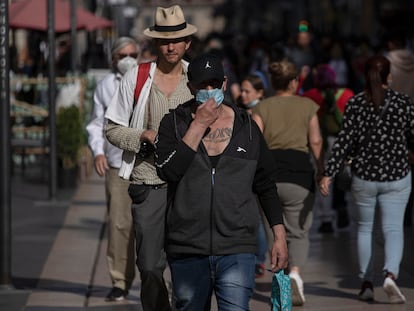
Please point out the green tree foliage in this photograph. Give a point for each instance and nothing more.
(69, 135)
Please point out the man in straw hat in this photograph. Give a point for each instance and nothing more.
(133, 127)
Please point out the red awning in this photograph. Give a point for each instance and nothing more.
(32, 14)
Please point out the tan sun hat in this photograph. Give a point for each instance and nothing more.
(170, 24)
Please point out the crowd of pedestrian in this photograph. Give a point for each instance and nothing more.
(225, 151)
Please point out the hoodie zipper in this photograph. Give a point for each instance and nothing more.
(213, 175)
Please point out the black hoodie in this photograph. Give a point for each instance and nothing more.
(213, 211)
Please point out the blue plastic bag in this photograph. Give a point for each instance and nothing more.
(281, 297)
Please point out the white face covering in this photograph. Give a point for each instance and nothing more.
(125, 64)
(252, 103)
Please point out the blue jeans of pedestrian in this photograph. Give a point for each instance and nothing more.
(390, 198)
(231, 277)
(261, 243)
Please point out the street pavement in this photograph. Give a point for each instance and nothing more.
(59, 262)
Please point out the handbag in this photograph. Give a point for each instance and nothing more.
(281, 295)
(138, 193)
(344, 176)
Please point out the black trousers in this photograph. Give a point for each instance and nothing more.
(149, 226)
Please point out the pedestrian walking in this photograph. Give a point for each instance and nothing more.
(107, 161)
(377, 125)
(291, 129)
(215, 161)
(133, 126)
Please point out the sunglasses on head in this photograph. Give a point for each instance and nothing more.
(122, 55)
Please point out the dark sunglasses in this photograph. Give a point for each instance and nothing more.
(133, 55)
(216, 84)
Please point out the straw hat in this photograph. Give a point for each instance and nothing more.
(170, 24)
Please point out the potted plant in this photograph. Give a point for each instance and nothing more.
(69, 140)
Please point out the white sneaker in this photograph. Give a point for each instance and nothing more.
(393, 292)
(298, 298)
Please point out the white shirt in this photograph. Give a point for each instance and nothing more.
(121, 111)
(98, 143)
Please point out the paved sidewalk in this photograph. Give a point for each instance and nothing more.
(59, 260)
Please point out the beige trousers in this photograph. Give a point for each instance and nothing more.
(297, 203)
(121, 241)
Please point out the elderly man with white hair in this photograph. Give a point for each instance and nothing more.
(107, 161)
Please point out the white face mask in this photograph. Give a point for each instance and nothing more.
(252, 103)
(125, 64)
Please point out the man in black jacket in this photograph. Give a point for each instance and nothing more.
(215, 161)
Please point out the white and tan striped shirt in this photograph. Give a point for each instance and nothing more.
(128, 138)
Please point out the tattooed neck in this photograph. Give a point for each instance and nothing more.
(219, 135)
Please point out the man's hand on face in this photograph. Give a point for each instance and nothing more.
(207, 113)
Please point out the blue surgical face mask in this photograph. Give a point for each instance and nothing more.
(203, 95)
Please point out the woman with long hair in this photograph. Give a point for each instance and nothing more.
(377, 125)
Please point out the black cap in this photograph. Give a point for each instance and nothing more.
(204, 68)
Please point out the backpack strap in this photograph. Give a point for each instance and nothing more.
(142, 75)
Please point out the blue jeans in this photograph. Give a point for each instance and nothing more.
(391, 199)
(261, 243)
(230, 276)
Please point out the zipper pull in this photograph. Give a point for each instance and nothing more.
(213, 172)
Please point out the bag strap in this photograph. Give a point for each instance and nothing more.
(142, 75)
(387, 102)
